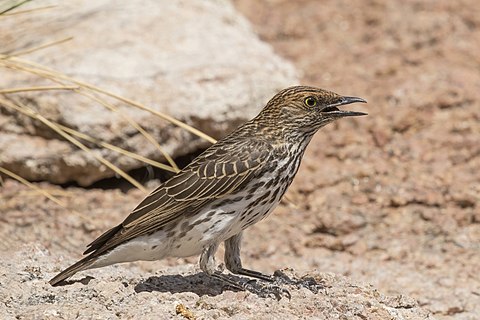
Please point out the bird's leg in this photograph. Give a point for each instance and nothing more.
(207, 259)
(233, 263)
(207, 264)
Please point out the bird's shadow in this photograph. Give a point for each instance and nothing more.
(203, 284)
(200, 284)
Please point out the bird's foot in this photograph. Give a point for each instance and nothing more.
(261, 288)
(268, 286)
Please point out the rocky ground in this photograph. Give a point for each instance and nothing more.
(391, 200)
(182, 293)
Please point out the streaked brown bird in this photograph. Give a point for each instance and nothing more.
(234, 184)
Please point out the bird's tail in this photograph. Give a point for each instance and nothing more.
(83, 264)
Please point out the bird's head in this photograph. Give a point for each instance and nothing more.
(306, 109)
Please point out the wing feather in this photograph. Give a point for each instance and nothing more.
(218, 172)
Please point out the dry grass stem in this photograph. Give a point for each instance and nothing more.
(45, 88)
(11, 5)
(33, 114)
(43, 192)
(32, 186)
(116, 149)
(43, 46)
(7, 14)
(53, 191)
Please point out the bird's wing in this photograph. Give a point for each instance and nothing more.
(216, 173)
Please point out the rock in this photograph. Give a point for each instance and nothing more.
(199, 62)
(126, 292)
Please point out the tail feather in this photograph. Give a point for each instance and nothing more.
(83, 264)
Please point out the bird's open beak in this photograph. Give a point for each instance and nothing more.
(332, 111)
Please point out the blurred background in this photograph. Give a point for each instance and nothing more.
(100, 101)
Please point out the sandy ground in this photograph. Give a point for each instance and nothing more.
(392, 199)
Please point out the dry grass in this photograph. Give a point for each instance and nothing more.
(61, 82)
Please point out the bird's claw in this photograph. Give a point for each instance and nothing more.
(306, 282)
(311, 284)
(265, 290)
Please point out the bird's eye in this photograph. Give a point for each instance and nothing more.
(310, 102)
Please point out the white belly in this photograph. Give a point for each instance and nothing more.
(198, 232)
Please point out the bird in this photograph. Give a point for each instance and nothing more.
(232, 185)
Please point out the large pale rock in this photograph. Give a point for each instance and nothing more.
(198, 61)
